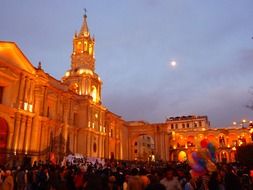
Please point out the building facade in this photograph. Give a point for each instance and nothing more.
(40, 114)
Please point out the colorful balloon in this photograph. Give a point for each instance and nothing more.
(204, 143)
(210, 166)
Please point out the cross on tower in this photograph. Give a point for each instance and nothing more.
(85, 11)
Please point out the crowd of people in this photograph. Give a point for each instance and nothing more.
(115, 175)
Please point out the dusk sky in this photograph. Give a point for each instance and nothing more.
(136, 40)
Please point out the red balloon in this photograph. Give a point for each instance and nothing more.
(204, 143)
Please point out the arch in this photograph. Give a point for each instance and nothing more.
(232, 140)
(224, 156)
(190, 141)
(85, 45)
(181, 141)
(79, 46)
(143, 147)
(232, 156)
(182, 156)
(90, 49)
(94, 93)
(4, 133)
(221, 139)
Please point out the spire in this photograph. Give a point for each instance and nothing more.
(84, 29)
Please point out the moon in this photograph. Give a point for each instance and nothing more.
(173, 63)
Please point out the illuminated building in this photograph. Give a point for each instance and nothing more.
(40, 114)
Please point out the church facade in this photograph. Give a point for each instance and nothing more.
(40, 115)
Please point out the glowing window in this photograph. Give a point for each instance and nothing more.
(90, 49)
(79, 46)
(94, 94)
(85, 46)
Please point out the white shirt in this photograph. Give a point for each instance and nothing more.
(171, 184)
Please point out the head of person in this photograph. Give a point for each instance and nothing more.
(169, 173)
(8, 173)
(134, 172)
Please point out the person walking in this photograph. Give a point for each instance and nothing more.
(8, 183)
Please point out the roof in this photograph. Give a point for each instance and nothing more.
(12, 55)
(84, 29)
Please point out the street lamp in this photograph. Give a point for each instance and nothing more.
(243, 121)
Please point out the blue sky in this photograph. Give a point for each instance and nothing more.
(135, 42)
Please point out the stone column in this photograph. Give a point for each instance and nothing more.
(16, 131)
(31, 95)
(99, 147)
(102, 147)
(85, 142)
(166, 143)
(28, 134)
(65, 121)
(22, 133)
(21, 91)
(74, 140)
(35, 137)
(41, 137)
(27, 91)
(91, 144)
(45, 135)
(44, 104)
(88, 144)
(106, 145)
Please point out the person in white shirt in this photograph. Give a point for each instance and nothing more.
(170, 181)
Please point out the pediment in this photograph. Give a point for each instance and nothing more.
(11, 55)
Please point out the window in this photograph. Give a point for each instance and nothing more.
(188, 126)
(176, 127)
(90, 49)
(200, 123)
(85, 46)
(172, 126)
(135, 151)
(135, 144)
(94, 94)
(183, 125)
(79, 46)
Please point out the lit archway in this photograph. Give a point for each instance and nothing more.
(143, 148)
(182, 156)
(224, 156)
(4, 132)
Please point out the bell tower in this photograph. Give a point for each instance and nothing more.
(81, 78)
(83, 49)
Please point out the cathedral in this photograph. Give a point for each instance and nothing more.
(40, 115)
